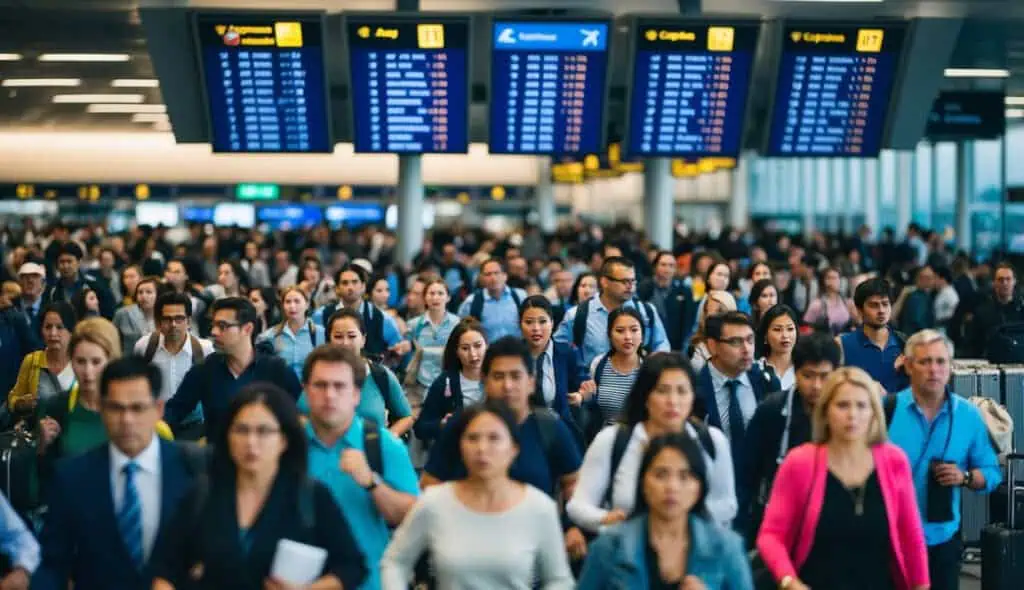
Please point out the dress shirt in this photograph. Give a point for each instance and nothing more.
(147, 483)
(547, 384)
(294, 347)
(500, 316)
(595, 340)
(431, 340)
(744, 393)
(16, 541)
(172, 366)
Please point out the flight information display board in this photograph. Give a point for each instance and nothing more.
(548, 84)
(265, 81)
(835, 81)
(689, 88)
(967, 114)
(410, 88)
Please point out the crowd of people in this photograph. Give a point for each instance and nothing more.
(514, 411)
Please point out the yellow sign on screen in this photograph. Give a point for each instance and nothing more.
(870, 40)
(430, 36)
(721, 38)
(288, 34)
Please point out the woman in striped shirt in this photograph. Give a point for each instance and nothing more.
(616, 370)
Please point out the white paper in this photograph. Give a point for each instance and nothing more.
(297, 563)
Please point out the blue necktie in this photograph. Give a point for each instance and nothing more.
(736, 427)
(129, 518)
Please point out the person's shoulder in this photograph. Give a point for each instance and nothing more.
(773, 402)
(804, 454)
(83, 466)
(540, 502)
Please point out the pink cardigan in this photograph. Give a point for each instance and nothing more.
(807, 465)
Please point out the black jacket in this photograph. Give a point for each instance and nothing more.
(680, 310)
(989, 315)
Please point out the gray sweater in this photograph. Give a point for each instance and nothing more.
(471, 550)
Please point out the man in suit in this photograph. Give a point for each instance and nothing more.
(32, 279)
(731, 386)
(107, 506)
(672, 298)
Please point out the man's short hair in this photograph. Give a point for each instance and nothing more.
(816, 348)
(171, 298)
(131, 367)
(245, 313)
(354, 268)
(508, 346)
(714, 324)
(494, 260)
(606, 266)
(926, 338)
(334, 354)
(70, 248)
(876, 287)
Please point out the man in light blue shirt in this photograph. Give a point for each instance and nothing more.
(497, 304)
(618, 288)
(368, 471)
(948, 445)
(18, 544)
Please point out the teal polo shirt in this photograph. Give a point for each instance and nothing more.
(368, 526)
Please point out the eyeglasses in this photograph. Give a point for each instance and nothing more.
(262, 431)
(738, 341)
(627, 282)
(176, 319)
(224, 326)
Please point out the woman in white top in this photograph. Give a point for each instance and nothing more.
(660, 402)
(484, 531)
(776, 337)
(715, 302)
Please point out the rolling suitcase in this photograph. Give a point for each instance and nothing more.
(964, 381)
(1013, 398)
(1002, 544)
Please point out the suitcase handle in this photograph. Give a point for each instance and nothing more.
(1011, 489)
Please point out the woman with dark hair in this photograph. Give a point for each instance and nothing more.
(460, 522)
(758, 271)
(86, 303)
(776, 336)
(136, 320)
(460, 382)
(561, 377)
(670, 543)
(297, 335)
(264, 299)
(315, 283)
(615, 371)
(231, 281)
(584, 288)
(764, 295)
(831, 312)
(660, 402)
(130, 277)
(46, 373)
(256, 495)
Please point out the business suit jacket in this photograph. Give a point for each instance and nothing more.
(680, 311)
(80, 539)
(131, 323)
(706, 407)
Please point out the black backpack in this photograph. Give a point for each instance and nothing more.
(373, 321)
(476, 309)
(579, 326)
(1006, 344)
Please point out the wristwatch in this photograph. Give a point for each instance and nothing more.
(785, 582)
(375, 481)
(968, 478)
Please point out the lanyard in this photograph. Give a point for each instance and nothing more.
(931, 431)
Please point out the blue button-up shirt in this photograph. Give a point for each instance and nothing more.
(294, 347)
(500, 317)
(16, 541)
(969, 448)
(859, 351)
(369, 527)
(595, 342)
(431, 340)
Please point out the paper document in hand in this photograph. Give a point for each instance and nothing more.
(297, 563)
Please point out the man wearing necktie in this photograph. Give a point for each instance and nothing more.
(32, 279)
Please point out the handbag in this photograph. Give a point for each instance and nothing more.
(762, 576)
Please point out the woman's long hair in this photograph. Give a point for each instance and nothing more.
(294, 460)
(689, 448)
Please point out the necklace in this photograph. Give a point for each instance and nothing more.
(858, 498)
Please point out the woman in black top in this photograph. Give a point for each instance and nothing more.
(256, 494)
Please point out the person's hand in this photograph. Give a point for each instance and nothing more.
(49, 430)
(798, 585)
(353, 462)
(693, 583)
(278, 584)
(588, 388)
(575, 543)
(402, 348)
(613, 517)
(575, 399)
(16, 580)
(949, 475)
(445, 419)
(901, 360)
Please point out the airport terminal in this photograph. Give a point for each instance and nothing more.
(460, 294)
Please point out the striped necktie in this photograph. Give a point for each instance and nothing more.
(129, 518)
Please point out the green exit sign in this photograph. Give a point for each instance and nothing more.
(257, 192)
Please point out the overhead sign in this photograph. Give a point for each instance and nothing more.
(967, 114)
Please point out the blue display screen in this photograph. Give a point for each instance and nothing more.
(291, 215)
(548, 87)
(834, 86)
(690, 86)
(197, 214)
(265, 83)
(354, 214)
(410, 92)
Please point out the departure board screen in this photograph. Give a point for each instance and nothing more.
(690, 86)
(548, 87)
(410, 89)
(834, 86)
(265, 82)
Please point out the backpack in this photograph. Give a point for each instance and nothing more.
(1006, 344)
(380, 378)
(373, 322)
(154, 340)
(579, 326)
(372, 447)
(476, 309)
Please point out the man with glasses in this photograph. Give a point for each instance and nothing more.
(496, 304)
(137, 477)
(586, 325)
(731, 386)
(175, 350)
(235, 365)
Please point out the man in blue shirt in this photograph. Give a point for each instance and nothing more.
(948, 445)
(875, 346)
(382, 332)
(618, 289)
(19, 546)
(366, 468)
(496, 305)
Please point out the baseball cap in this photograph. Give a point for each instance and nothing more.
(32, 268)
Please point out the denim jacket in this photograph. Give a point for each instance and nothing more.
(618, 559)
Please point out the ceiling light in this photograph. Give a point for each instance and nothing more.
(94, 57)
(126, 108)
(96, 98)
(11, 57)
(976, 73)
(1015, 101)
(1015, 113)
(133, 83)
(149, 117)
(40, 82)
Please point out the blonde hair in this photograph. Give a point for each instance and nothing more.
(877, 431)
(98, 331)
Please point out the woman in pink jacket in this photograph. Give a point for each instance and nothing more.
(843, 511)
